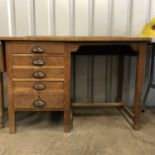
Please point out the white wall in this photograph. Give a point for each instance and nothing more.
(74, 17)
(84, 18)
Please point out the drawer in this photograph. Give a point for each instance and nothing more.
(38, 100)
(38, 47)
(27, 60)
(38, 73)
(38, 86)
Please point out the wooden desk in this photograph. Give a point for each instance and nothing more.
(39, 73)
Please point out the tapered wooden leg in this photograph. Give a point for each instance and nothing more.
(67, 83)
(1, 101)
(11, 110)
(139, 85)
(120, 79)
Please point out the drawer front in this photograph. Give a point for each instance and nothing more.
(42, 48)
(38, 86)
(38, 100)
(38, 73)
(20, 60)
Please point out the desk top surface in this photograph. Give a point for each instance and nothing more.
(76, 38)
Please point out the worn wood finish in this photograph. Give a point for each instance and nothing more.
(67, 89)
(50, 86)
(2, 68)
(27, 60)
(21, 78)
(99, 104)
(25, 100)
(56, 52)
(26, 47)
(77, 39)
(33, 79)
(28, 72)
(75, 46)
(11, 110)
(139, 85)
(141, 51)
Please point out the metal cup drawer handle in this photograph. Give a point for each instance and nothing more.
(39, 103)
(38, 49)
(39, 74)
(38, 62)
(39, 86)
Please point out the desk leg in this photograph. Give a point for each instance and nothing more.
(139, 85)
(120, 79)
(67, 88)
(1, 100)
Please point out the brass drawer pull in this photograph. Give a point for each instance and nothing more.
(39, 86)
(38, 62)
(39, 74)
(38, 49)
(39, 102)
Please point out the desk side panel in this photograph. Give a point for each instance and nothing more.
(1, 58)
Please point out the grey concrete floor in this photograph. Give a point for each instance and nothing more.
(104, 133)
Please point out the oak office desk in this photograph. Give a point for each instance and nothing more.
(39, 69)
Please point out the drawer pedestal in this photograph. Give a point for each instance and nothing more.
(37, 79)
